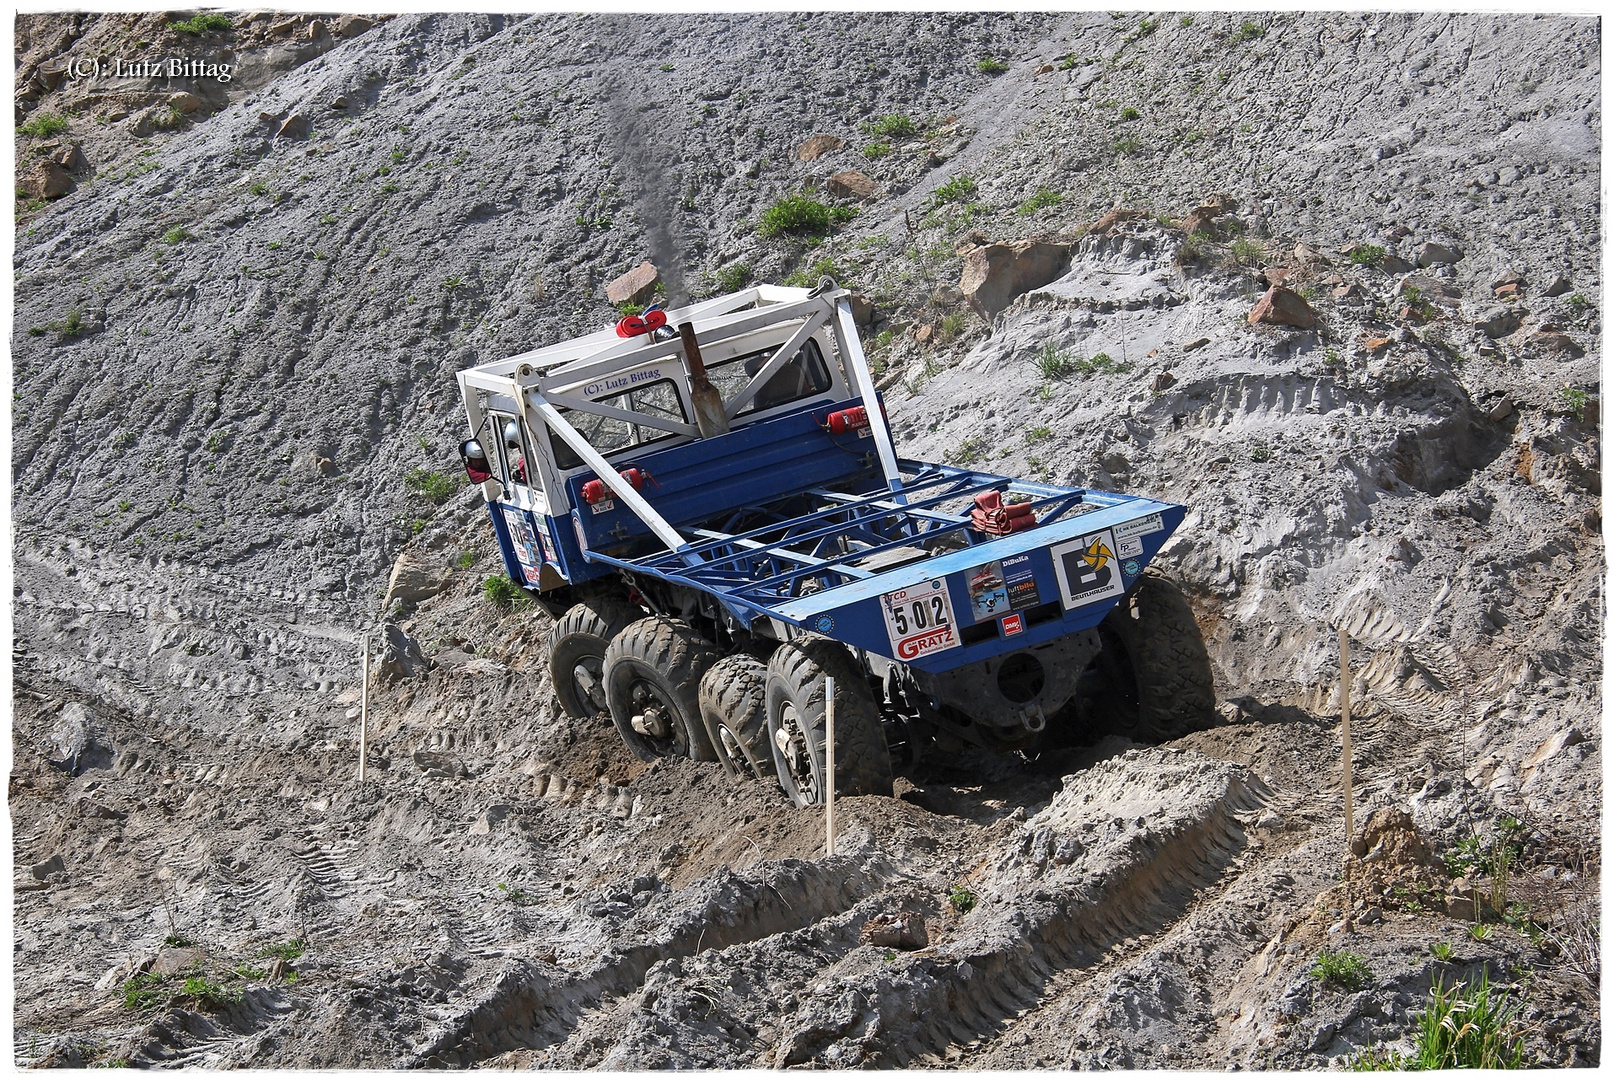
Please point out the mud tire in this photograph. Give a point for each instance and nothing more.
(659, 662)
(795, 698)
(580, 638)
(733, 700)
(1159, 686)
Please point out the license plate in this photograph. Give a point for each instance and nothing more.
(919, 620)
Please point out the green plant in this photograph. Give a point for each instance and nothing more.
(519, 897)
(1100, 364)
(1442, 951)
(1051, 362)
(1068, 63)
(1186, 20)
(1130, 113)
(1043, 199)
(1479, 932)
(1247, 252)
(176, 235)
(807, 276)
(1249, 31)
(72, 326)
(145, 991)
(178, 941)
(1367, 255)
(249, 973)
(1464, 1027)
(1578, 301)
(1575, 400)
(207, 993)
(991, 65)
(283, 950)
(1037, 434)
(1127, 145)
(434, 487)
(958, 189)
(1045, 392)
(894, 126)
(967, 451)
(201, 24)
(43, 126)
(796, 215)
(1340, 968)
(259, 188)
(666, 67)
(952, 325)
(501, 590)
(961, 900)
(734, 277)
(876, 150)
(464, 560)
(218, 441)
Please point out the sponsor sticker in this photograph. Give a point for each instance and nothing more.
(547, 541)
(1138, 527)
(1088, 569)
(1132, 545)
(919, 619)
(525, 543)
(1020, 582)
(989, 598)
(825, 624)
(1131, 568)
(604, 506)
(1013, 624)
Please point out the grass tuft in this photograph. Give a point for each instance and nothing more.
(1342, 969)
(434, 487)
(201, 24)
(795, 215)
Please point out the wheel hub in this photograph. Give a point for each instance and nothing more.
(587, 675)
(793, 746)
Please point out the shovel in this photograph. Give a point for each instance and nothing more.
(708, 403)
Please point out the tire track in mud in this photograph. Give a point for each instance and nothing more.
(1064, 889)
(533, 1004)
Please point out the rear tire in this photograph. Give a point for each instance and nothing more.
(734, 711)
(1158, 675)
(795, 708)
(652, 672)
(577, 647)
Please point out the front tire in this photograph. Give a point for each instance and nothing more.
(734, 711)
(795, 709)
(577, 647)
(652, 672)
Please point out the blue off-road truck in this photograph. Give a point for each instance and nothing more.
(710, 504)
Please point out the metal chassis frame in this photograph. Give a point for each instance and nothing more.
(818, 545)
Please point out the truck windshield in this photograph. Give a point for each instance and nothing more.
(607, 434)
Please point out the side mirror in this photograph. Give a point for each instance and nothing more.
(475, 460)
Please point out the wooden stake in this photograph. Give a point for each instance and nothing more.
(1345, 732)
(829, 765)
(364, 705)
